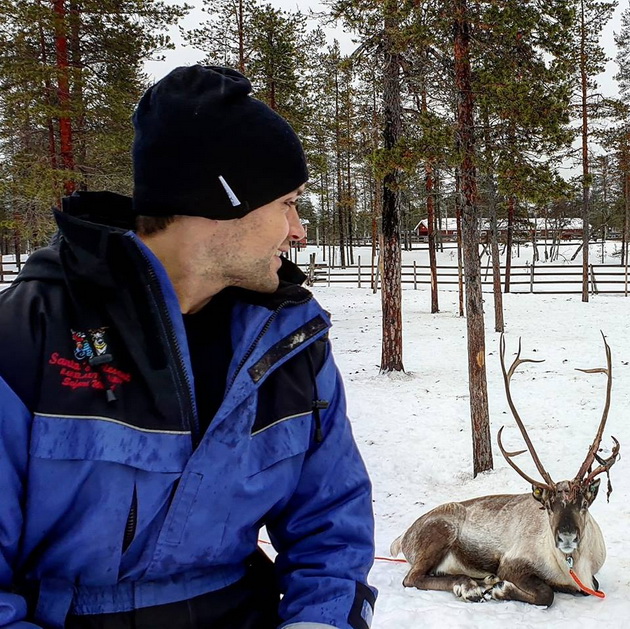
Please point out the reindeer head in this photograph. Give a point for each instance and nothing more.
(566, 502)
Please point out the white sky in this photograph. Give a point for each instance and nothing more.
(187, 56)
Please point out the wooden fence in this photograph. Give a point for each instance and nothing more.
(536, 278)
(9, 269)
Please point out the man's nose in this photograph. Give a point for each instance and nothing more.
(296, 229)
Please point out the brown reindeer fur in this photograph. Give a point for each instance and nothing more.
(501, 547)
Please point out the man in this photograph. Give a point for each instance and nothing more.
(168, 391)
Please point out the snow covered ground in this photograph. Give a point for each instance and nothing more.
(413, 430)
(414, 433)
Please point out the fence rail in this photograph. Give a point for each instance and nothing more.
(9, 268)
(563, 279)
(536, 278)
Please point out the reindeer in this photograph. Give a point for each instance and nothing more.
(516, 547)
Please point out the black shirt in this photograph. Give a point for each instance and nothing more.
(210, 346)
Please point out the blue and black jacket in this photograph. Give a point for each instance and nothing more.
(112, 500)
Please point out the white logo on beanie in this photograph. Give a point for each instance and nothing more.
(233, 198)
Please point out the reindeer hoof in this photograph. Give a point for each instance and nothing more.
(491, 579)
(469, 590)
(499, 591)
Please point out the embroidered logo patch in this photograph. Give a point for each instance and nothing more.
(98, 340)
(77, 373)
(82, 348)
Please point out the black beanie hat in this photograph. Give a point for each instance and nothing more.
(205, 147)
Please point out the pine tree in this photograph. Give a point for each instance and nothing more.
(70, 74)
(226, 35)
(622, 132)
(273, 47)
(391, 356)
(589, 59)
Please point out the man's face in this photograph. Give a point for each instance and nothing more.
(251, 246)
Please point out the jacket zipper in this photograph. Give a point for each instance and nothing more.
(193, 421)
(189, 415)
(264, 330)
(132, 521)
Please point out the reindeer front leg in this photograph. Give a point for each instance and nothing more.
(520, 583)
(438, 536)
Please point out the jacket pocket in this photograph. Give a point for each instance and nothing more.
(287, 437)
(103, 439)
(86, 474)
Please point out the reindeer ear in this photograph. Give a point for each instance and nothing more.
(591, 491)
(537, 492)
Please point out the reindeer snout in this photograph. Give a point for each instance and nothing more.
(567, 542)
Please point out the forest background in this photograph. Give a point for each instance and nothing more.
(474, 109)
(72, 70)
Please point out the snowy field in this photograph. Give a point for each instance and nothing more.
(413, 430)
(414, 433)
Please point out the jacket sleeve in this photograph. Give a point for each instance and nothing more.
(15, 422)
(325, 534)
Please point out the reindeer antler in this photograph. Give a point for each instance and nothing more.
(507, 376)
(605, 464)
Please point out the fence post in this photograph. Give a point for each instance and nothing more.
(359, 270)
(378, 273)
(415, 278)
(594, 290)
(311, 270)
(531, 277)
(329, 275)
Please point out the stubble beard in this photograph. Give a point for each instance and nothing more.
(260, 277)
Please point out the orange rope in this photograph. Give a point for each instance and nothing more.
(264, 541)
(584, 588)
(390, 559)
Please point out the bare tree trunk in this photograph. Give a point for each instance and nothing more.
(349, 196)
(509, 242)
(391, 359)
(17, 246)
(496, 266)
(624, 169)
(377, 200)
(240, 19)
(482, 450)
(460, 247)
(339, 204)
(52, 142)
(429, 185)
(77, 96)
(63, 90)
(491, 193)
(435, 307)
(626, 217)
(585, 164)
